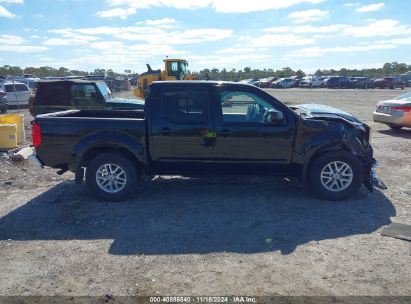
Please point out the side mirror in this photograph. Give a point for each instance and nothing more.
(275, 117)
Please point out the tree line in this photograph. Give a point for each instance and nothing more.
(393, 68)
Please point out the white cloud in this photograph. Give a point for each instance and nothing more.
(370, 8)
(318, 51)
(396, 41)
(12, 1)
(5, 13)
(158, 21)
(236, 50)
(218, 61)
(151, 35)
(350, 4)
(123, 13)
(308, 15)
(220, 6)
(11, 40)
(384, 27)
(22, 48)
(165, 23)
(280, 40)
(63, 42)
(305, 29)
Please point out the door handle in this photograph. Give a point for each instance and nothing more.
(226, 133)
(165, 131)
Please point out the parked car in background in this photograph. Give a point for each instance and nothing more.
(310, 82)
(323, 80)
(396, 112)
(60, 95)
(18, 93)
(266, 82)
(339, 82)
(284, 83)
(296, 80)
(362, 83)
(389, 82)
(32, 84)
(3, 102)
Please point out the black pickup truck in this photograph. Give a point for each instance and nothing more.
(195, 128)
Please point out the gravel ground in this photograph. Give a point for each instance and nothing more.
(181, 236)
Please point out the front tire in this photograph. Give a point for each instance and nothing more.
(336, 175)
(111, 176)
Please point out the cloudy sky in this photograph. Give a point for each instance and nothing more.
(126, 34)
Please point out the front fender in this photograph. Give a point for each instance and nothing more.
(106, 139)
(325, 137)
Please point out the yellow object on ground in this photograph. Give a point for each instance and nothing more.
(18, 120)
(8, 136)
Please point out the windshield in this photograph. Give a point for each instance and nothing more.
(406, 97)
(105, 91)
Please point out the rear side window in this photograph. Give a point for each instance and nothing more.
(184, 106)
(9, 88)
(52, 94)
(21, 88)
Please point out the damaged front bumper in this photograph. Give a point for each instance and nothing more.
(372, 180)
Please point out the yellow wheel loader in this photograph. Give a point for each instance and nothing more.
(174, 69)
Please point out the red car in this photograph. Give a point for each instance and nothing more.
(389, 82)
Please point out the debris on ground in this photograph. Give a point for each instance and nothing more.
(398, 231)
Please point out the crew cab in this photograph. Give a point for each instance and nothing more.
(203, 128)
(59, 95)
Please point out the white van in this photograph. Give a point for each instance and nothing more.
(18, 93)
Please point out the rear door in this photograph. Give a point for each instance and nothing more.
(23, 93)
(182, 134)
(11, 94)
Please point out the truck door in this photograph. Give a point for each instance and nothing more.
(247, 140)
(182, 136)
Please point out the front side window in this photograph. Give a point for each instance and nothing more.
(83, 95)
(184, 106)
(244, 107)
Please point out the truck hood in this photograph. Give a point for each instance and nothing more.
(323, 111)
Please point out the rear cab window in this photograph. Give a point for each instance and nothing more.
(185, 105)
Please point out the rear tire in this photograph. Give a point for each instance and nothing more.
(111, 176)
(396, 128)
(336, 175)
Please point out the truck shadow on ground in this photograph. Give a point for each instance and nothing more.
(184, 216)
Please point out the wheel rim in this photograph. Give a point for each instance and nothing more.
(336, 176)
(111, 178)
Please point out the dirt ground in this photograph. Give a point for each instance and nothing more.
(181, 236)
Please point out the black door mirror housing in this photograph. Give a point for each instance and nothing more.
(275, 117)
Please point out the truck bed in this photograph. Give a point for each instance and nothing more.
(65, 135)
